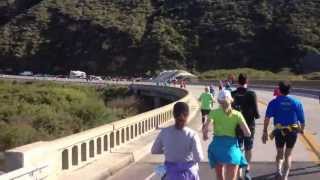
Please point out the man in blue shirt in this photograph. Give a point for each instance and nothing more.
(288, 117)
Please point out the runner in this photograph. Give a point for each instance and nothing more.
(206, 99)
(181, 147)
(228, 87)
(245, 101)
(211, 88)
(181, 83)
(288, 118)
(174, 81)
(224, 153)
(221, 85)
(276, 92)
(184, 84)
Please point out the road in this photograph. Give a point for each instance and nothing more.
(305, 159)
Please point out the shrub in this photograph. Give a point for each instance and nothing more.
(16, 134)
(33, 111)
(115, 92)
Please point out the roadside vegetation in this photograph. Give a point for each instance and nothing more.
(284, 74)
(129, 37)
(33, 111)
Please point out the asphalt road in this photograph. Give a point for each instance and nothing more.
(305, 160)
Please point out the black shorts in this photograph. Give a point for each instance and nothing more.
(204, 112)
(289, 139)
(246, 143)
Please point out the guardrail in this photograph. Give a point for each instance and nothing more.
(37, 173)
(305, 84)
(304, 88)
(51, 159)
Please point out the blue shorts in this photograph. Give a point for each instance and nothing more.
(225, 150)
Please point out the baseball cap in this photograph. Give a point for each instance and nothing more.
(224, 95)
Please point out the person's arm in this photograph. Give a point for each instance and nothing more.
(205, 126)
(157, 147)
(197, 149)
(205, 130)
(301, 118)
(200, 97)
(256, 110)
(212, 100)
(244, 127)
(265, 136)
(269, 115)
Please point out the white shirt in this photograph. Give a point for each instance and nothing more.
(178, 145)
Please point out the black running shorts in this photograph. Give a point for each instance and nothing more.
(288, 140)
(205, 112)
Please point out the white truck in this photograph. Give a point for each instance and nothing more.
(77, 75)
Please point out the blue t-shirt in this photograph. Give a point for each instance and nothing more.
(286, 111)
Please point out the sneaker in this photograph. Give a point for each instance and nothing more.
(247, 175)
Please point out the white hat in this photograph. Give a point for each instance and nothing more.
(224, 95)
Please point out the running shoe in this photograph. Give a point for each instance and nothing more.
(247, 175)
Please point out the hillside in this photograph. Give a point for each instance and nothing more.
(132, 36)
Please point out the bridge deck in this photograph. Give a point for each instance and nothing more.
(304, 166)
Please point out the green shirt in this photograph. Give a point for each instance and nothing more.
(206, 100)
(223, 124)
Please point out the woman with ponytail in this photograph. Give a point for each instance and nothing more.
(224, 153)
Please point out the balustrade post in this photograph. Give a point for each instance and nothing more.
(127, 133)
(123, 135)
(78, 154)
(88, 151)
(70, 165)
(106, 143)
(102, 144)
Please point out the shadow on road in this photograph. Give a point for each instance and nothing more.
(266, 171)
(300, 170)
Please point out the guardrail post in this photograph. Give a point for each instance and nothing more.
(84, 154)
(106, 142)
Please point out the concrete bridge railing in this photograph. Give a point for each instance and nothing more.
(48, 160)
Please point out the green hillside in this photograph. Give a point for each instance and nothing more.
(132, 36)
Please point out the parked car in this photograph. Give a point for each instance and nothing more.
(26, 73)
(96, 78)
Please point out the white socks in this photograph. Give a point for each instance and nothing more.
(279, 166)
(286, 172)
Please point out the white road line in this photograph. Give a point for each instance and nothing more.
(150, 176)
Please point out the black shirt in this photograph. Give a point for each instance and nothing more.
(245, 101)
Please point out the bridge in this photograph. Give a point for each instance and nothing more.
(120, 150)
